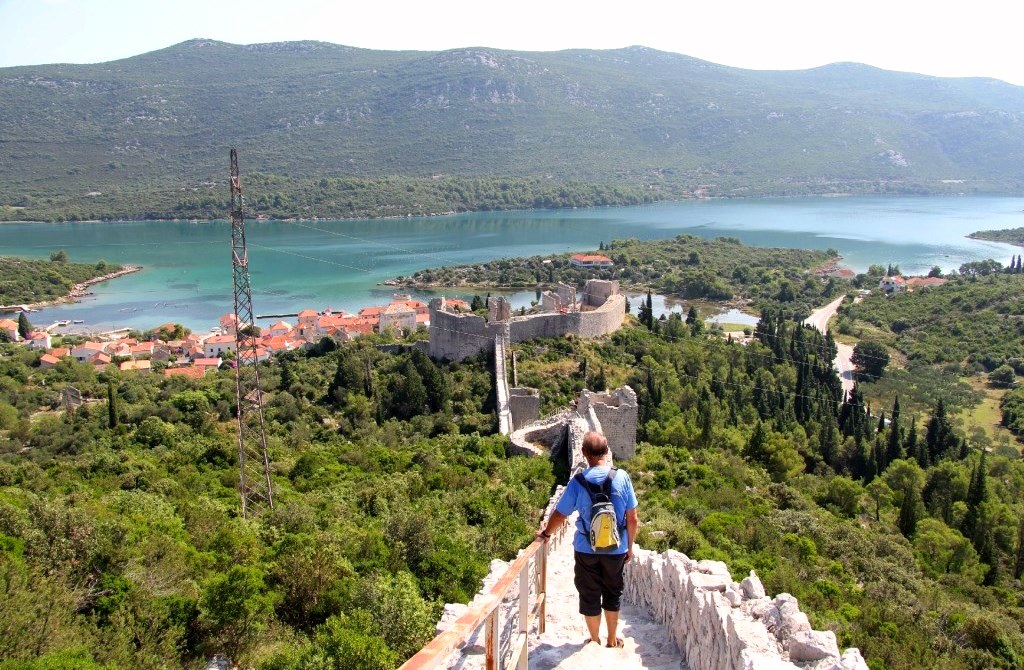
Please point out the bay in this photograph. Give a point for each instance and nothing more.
(341, 264)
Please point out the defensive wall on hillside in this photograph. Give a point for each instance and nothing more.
(455, 336)
(716, 623)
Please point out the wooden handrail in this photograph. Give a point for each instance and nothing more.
(485, 610)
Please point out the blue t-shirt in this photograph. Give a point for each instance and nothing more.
(576, 499)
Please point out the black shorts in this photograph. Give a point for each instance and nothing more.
(599, 582)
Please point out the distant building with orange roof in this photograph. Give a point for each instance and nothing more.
(279, 328)
(398, 316)
(211, 363)
(142, 350)
(142, 367)
(39, 340)
(60, 352)
(218, 345)
(590, 261)
(100, 358)
(914, 283)
(186, 371)
(11, 328)
(86, 350)
(48, 361)
(229, 322)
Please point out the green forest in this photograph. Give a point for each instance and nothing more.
(1009, 236)
(121, 543)
(26, 280)
(327, 198)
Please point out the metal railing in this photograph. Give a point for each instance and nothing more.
(487, 610)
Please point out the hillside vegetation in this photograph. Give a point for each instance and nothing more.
(687, 266)
(26, 280)
(148, 136)
(1009, 236)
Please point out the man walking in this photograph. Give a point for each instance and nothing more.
(598, 572)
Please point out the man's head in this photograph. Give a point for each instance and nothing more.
(595, 447)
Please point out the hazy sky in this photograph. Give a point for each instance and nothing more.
(938, 37)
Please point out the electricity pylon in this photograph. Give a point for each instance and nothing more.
(254, 483)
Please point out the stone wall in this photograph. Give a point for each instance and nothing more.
(616, 413)
(597, 291)
(455, 337)
(524, 405)
(718, 624)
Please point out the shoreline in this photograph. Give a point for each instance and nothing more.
(77, 291)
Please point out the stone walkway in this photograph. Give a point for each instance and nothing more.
(562, 645)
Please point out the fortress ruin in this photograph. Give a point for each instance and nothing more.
(598, 311)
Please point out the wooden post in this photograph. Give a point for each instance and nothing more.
(493, 642)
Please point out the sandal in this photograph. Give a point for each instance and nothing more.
(619, 644)
(587, 641)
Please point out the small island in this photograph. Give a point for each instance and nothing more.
(33, 283)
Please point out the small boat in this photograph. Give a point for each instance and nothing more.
(78, 321)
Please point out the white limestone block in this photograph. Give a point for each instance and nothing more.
(752, 586)
(852, 660)
(752, 660)
(748, 634)
(710, 582)
(713, 568)
(813, 645)
(734, 597)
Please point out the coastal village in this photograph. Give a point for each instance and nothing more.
(194, 355)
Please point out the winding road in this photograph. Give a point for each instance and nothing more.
(844, 357)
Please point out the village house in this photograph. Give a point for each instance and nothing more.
(48, 361)
(141, 367)
(228, 323)
(189, 371)
(39, 340)
(207, 364)
(142, 350)
(920, 283)
(11, 328)
(216, 346)
(398, 317)
(590, 261)
(279, 329)
(894, 284)
(84, 352)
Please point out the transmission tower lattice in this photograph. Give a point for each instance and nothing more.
(254, 484)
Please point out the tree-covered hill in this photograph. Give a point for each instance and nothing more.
(142, 136)
(121, 545)
(26, 280)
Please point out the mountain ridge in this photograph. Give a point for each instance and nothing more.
(682, 126)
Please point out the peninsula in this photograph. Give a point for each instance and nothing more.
(29, 284)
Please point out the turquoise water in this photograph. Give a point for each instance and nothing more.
(340, 264)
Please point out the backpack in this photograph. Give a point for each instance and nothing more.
(603, 533)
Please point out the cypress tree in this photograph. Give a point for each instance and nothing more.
(111, 405)
(910, 512)
(977, 496)
(1018, 564)
(24, 327)
(894, 445)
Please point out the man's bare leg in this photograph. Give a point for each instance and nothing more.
(594, 627)
(611, 619)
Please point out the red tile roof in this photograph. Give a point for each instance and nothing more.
(186, 371)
